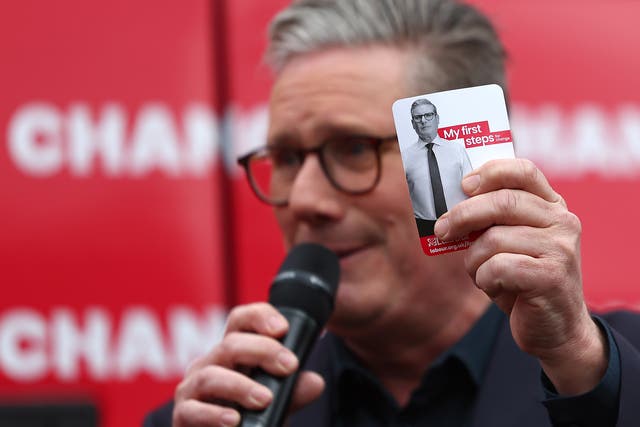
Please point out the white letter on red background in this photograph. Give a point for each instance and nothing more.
(154, 144)
(71, 343)
(201, 135)
(23, 345)
(35, 143)
(139, 347)
(102, 139)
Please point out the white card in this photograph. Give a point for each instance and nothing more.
(442, 137)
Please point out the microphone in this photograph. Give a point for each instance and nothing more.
(303, 291)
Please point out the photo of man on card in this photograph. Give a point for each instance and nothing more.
(434, 167)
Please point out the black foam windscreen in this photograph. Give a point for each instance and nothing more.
(307, 280)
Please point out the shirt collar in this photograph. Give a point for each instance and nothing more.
(473, 350)
(436, 141)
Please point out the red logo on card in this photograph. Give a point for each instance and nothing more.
(475, 134)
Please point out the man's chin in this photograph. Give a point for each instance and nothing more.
(349, 322)
(354, 308)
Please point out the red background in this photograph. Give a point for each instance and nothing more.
(156, 240)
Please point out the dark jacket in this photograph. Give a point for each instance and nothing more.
(511, 393)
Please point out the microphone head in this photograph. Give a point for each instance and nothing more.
(307, 280)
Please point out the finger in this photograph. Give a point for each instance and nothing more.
(519, 174)
(261, 318)
(509, 274)
(493, 279)
(520, 240)
(309, 387)
(250, 350)
(193, 413)
(216, 383)
(501, 207)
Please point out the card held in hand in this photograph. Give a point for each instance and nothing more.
(443, 136)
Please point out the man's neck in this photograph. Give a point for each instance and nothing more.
(401, 362)
(428, 139)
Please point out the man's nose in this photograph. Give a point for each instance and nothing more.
(312, 196)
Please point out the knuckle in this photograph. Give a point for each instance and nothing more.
(485, 277)
(260, 307)
(233, 318)
(196, 382)
(569, 223)
(181, 390)
(572, 222)
(202, 378)
(249, 316)
(180, 414)
(241, 311)
(481, 251)
(492, 239)
(189, 414)
(460, 214)
(496, 268)
(529, 170)
(505, 201)
(237, 311)
(230, 345)
(561, 201)
(470, 266)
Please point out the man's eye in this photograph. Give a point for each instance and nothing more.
(284, 158)
(354, 147)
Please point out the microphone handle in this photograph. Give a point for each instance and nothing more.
(302, 334)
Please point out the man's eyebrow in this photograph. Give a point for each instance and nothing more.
(282, 139)
(333, 130)
(324, 132)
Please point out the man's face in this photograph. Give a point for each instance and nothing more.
(425, 121)
(337, 93)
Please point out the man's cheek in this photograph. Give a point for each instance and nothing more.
(286, 228)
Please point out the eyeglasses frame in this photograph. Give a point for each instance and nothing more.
(245, 159)
(421, 117)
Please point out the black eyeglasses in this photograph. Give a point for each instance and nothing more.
(426, 116)
(350, 163)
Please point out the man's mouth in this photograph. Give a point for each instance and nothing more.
(347, 254)
(343, 253)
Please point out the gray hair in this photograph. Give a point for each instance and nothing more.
(453, 45)
(423, 101)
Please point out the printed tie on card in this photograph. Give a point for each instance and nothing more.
(436, 183)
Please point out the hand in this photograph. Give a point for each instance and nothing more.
(217, 383)
(528, 262)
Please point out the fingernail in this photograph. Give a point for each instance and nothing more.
(260, 396)
(276, 324)
(471, 183)
(287, 360)
(441, 228)
(230, 418)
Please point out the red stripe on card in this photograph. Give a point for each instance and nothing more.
(500, 137)
(464, 130)
(431, 245)
(492, 138)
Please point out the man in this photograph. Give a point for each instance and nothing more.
(434, 168)
(413, 340)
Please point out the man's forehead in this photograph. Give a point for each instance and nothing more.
(337, 91)
(423, 108)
